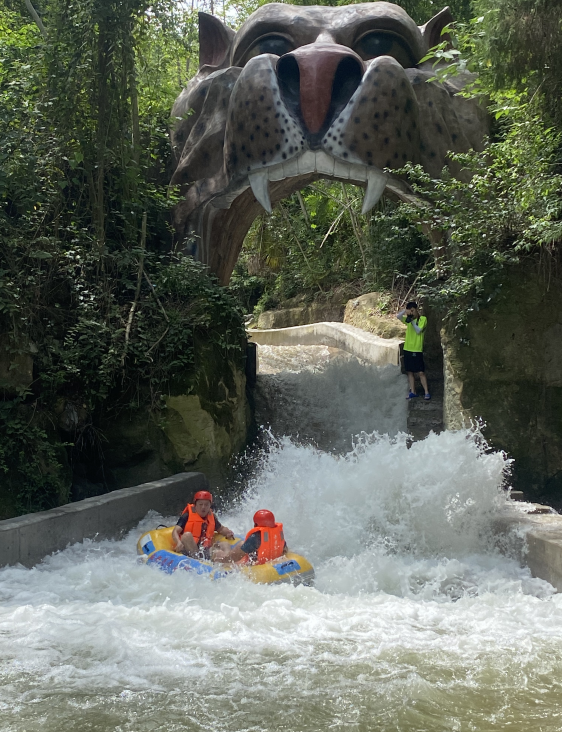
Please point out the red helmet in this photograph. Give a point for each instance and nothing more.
(264, 518)
(202, 496)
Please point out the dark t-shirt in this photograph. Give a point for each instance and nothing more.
(251, 545)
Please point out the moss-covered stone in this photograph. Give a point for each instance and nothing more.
(301, 315)
(201, 428)
(506, 368)
(147, 445)
(367, 312)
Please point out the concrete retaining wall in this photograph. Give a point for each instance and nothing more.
(369, 347)
(543, 537)
(27, 539)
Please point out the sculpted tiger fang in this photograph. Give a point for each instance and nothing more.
(302, 93)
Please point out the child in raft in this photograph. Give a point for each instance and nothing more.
(196, 527)
(262, 543)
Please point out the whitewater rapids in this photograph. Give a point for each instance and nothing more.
(416, 623)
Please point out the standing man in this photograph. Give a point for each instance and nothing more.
(413, 347)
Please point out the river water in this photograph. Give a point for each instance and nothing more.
(416, 622)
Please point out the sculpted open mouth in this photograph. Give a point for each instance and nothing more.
(325, 166)
(302, 93)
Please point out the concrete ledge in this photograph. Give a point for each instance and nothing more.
(369, 347)
(27, 539)
(543, 537)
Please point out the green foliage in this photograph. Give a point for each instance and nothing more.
(87, 280)
(506, 206)
(519, 46)
(94, 348)
(515, 48)
(29, 461)
(317, 241)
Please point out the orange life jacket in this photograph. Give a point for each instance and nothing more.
(202, 529)
(272, 542)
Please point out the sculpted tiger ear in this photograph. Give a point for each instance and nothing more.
(431, 31)
(215, 40)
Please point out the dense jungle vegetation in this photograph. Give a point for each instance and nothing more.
(95, 299)
(90, 288)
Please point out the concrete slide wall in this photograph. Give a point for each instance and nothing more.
(27, 539)
(369, 347)
(542, 530)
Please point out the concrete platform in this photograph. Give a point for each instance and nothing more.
(369, 347)
(27, 539)
(541, 529)
(425, 417)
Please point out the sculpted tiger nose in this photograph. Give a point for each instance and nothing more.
(318, 80)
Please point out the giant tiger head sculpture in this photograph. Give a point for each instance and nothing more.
(301, 93)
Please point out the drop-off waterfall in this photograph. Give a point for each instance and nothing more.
(416, 622)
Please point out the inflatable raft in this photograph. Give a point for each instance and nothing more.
(157, 549)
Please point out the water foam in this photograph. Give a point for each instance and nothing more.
(437, 496)
(329, 399)
(416, 622)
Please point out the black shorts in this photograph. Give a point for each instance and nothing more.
(413, 362)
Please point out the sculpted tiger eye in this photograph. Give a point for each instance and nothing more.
(301, 93)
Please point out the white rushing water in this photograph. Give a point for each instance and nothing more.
(325, 396)
(416, 623)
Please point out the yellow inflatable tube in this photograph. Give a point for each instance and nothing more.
(157, 548)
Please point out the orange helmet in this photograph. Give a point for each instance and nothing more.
(264, 518)
(202, 496)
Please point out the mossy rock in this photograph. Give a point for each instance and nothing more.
(302, 315)
(197, 431)
(367, 312)
(201, 423)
